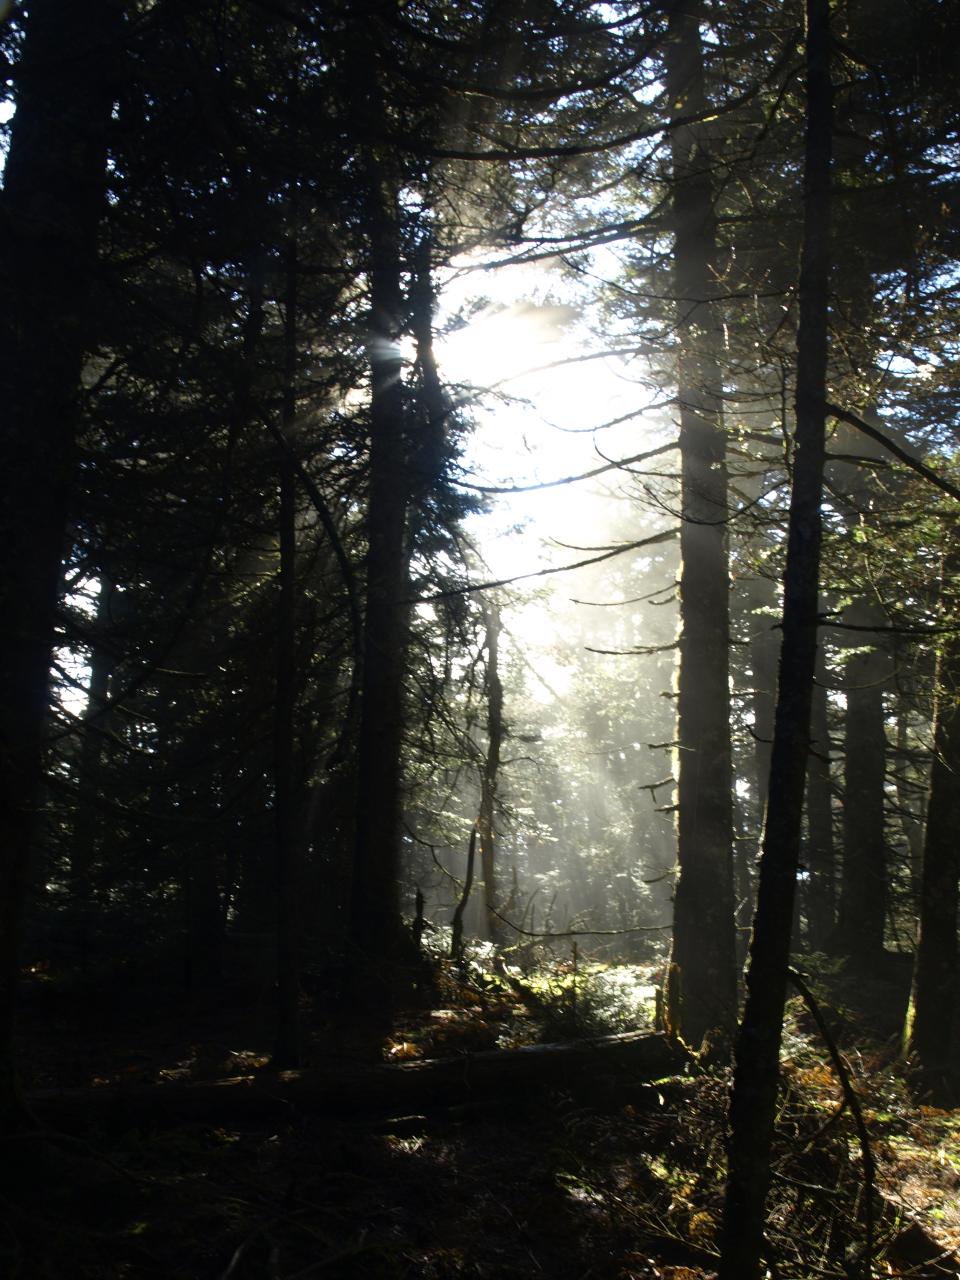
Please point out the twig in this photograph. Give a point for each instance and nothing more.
(853, 1102)
(582, 933)
(339, 1255)
(56, 1138)
(470, 588)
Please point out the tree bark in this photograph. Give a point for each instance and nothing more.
(863, 892)
(821, 886)
(286, 1053)
(762, 597)
(702, 977)
(85, 845)
(357, 1086)
(204, 915)
(931, 1018)
(911, 802)
(757, 1072)
(490, 772)
(456, 924)
(53, 199)
(375, 906)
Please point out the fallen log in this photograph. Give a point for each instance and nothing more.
(919, 1252)
(347, 1086)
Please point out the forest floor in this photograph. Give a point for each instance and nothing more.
(612, 1183)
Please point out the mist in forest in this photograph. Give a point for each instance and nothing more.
(585, 789)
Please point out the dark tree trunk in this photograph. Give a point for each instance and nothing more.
(456, 925)
(286, 1053)
(762, 603)
(85, 844)
(863, 888)
(702, 977)
(821, 895)
(490, 772)
(497, 1077)
(929, 1036)
(910, 804)
(757, 1073)
(763, 664)
(204, 916)
(255, 875)
(375, 907)
(53, 199)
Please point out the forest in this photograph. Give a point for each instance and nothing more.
(480, 680)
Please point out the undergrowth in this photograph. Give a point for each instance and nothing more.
(576, 1185)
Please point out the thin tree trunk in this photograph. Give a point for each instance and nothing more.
(763, 664)
(84, 845)
(762, 600)
(491, 769)
(863, 892)
(286, 1052)
(910, 805)
(375, 907)
(204, 915)
(757, 1073)
(456, 925)
(929, 1032)
(53, 199)
(702, 981)
(255, 907)
(821, 892)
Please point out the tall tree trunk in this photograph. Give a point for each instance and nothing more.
(491, 769)
(911, 799)
(757, 1073)
(456, 924)
(204, 913)
(53, 199)
(931, 1019)
(863, 891)
(702, 981)
(762, 601)
(821, 895)
(286, 1052)
(375, 907)
(762, 597)
(84, 845)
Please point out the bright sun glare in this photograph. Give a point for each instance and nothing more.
(530, 343)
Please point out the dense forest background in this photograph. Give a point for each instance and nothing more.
(428, 430)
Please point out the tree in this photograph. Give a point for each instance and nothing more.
(862, 906)
(757, 1072)
(53, 199)
(286, 790)
(702, 982)
(819, 848)
(929, 1035)
(490, 769)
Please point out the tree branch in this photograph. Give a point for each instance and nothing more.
(854, 420)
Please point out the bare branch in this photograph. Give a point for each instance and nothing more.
(553, 484)
(854, 420)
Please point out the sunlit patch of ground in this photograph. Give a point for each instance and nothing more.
(919, 1156)
(916, 1147)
